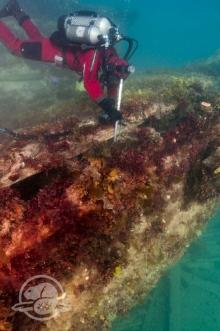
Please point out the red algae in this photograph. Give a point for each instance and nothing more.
(83, 212)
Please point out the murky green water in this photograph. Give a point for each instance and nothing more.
(188, 296)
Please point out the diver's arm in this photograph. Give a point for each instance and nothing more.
(94, 87)
(115, 65)
(90, 76)
(116, 68)
(113, 90)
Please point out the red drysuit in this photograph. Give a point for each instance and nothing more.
(81, 61)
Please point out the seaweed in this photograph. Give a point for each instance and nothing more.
(119, 213)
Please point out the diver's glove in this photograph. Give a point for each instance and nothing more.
(121, 71)
(110, 114)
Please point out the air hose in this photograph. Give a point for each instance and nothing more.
(133, 45)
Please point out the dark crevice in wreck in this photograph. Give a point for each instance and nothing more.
(30, 186)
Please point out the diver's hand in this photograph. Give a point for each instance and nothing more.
(110, 114)
(115, 115)
(104, 118)
(120, 70)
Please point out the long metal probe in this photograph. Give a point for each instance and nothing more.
(117, 124)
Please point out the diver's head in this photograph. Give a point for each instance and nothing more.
(61, 22)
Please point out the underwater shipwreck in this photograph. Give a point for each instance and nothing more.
(105, 219)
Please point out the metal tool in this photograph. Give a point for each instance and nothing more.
(117, 124)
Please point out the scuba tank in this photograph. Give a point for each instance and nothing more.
(88, 28)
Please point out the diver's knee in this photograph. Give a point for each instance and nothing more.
(32, 50)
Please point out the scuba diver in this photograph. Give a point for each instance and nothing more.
(84, 42)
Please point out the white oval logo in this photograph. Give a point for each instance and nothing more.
(41, 298)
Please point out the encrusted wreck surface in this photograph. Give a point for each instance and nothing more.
(50, 145)
(107, 219)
